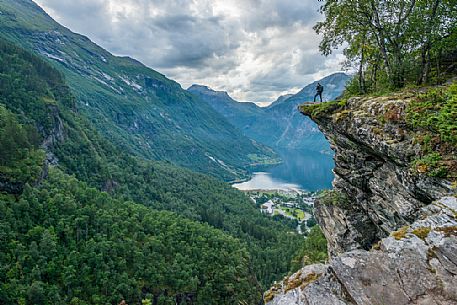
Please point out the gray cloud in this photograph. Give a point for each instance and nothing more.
(254, 49)
(261, 14)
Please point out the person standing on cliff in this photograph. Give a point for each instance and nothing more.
(319, 90)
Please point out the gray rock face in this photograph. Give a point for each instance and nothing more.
(373, 153)
(416, 265)
(54, 136)
(392, 237)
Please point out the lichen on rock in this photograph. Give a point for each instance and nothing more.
(408, 270)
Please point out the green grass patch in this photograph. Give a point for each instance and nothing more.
(422, 232)
(333, 197)
(263, 159)
(300, 214)
(319, 109)
(400, 233)
(293, 212)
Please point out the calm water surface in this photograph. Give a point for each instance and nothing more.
(305, 170)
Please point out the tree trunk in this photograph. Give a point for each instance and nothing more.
(421, 78)
(425, 64)
(361, 77)
(438, 65)
(427, 47)
(374, 74)
(399, 77)
(380, 39)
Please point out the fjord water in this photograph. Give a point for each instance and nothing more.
(302, 169)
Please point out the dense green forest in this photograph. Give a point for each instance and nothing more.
(72, 234)
(66, 243)
(21, 160)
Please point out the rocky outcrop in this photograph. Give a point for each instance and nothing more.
(415, 265)
(53, 136)
(391, 227)
(374, 149)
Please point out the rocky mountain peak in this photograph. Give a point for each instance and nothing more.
(208, 91)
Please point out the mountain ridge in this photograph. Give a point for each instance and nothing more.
(137, 107)
(278, 125)
(98, 225)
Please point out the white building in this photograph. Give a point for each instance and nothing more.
(267, 207)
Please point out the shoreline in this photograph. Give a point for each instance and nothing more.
(295, 191)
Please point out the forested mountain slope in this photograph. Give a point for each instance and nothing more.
(279, 125)
(65, 241)
(241, 115)
(135, 107)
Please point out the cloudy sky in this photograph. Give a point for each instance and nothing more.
(256, 50)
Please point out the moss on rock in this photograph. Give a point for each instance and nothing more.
(400, 233)
(318, 109)
(422, 232)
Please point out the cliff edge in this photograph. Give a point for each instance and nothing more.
(390, 220)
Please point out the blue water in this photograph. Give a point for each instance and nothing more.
(305, 170)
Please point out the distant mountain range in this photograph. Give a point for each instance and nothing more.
(135, 107)
(152, 117)
(279, 125)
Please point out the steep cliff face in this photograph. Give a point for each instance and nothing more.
(374, 151)
(390, 222)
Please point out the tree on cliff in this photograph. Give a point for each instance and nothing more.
(393, 42)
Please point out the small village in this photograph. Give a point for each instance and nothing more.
(295, 205)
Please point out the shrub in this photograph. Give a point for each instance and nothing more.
(431, 165)
(436, 112)
(333, 197)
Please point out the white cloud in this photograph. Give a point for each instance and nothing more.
(254, 49)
